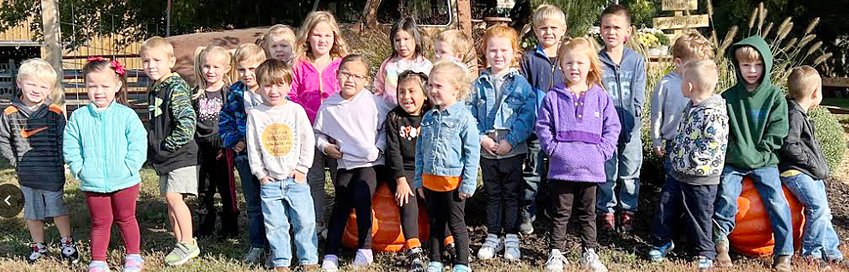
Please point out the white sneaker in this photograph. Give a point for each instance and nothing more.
(255, 255)
(491, 245)
(330, 263)
(511, 248)
(556, 261)
(590, 260)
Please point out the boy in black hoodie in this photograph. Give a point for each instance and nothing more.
(803, 168)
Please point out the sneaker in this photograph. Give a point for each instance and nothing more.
(556, 261)
(782, 264)
(98, 266)
(626, 220)
(511, 248)
(434, 267)
(133, 263)
(69, 250)
(364, 257)
(608, 222)
(526, 227)
(450, 253)
(590, 260)
(255, 254)
(705, 263)
(38, 251)
(461, 268)
(330, 263)
(657, 254)
(182, 253)
(722, 257)
(491, 245)
(416, 260)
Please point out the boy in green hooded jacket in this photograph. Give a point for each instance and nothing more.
(757, 113)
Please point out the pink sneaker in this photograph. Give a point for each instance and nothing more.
(133, 263)
(98, 266)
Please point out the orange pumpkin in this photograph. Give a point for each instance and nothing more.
(386, 223)
(752, 236)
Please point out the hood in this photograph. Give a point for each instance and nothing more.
(760, 45)
(18, 103)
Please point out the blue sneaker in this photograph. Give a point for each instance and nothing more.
(434, 267)
(461, 268)
(657, 254)
(705, 263)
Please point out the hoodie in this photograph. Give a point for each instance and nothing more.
(626, 84)
(31, 140)
(757, 119)
(698, 153)
(667, 105)
(541, 72)
(310, 87)
(356, 126)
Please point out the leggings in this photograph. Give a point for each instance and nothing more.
(118, 207)
(354, 189)
(447, 208)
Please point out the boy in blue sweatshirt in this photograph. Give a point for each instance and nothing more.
(624, 77)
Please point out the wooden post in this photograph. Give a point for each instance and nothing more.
(52, 48)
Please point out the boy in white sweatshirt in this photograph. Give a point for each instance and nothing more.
(280, 151)
(349, 128)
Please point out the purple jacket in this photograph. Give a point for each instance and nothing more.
(577, 133)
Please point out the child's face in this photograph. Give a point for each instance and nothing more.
(274, 94)
(404, 44)
(279, 48)
(247, 72)
(615, 29)
(35, 90)
(411, 97)
(549, 33)
(321, 39)
(157, 63)
(499, 53)
(752, 71)
(575, 67)
(444, 51)
(102, 85)
(214, 67)
(443, 92)
(353, 77)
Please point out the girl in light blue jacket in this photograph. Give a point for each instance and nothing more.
(105, 145)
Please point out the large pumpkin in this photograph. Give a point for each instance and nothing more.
(752, 236)
(386, 223)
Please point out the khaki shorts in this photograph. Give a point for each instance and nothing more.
(181, 180)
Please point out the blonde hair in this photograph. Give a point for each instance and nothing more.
(702, 73)
(157, 43)
(273, 71)
(747, 54)
(503, 31)
(459, 42)
(278, 30)
(248, 52)
(38, 69)
(302, 46)
(458, 75)
(548, 12)
(692, 46)
(585, 46)
(200, 60)
(802, 82)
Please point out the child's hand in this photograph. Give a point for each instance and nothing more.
(265, 180)
(239, 146)
(465, 196)
(503, 148)
(403, 193)
(332, 150)
(488, 145)
(659, 151)
(299, 177)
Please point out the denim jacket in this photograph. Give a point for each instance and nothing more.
(514, 111)
(449, 146)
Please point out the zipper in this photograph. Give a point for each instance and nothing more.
(103, 141)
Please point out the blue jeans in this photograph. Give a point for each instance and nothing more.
(283, 201)
(767, 183)
(250, 187)
(819, 240)
(533, 174)
(623, 169)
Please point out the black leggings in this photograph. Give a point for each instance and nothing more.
(502, 180)
(568, 197)
(216, 175)
(354, 189)
(409, 211)
(447, 208)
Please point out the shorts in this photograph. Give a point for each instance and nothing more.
(40, 204)
(181, 180)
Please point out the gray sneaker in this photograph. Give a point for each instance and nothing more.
(491, 245)
(511, 248)
(590, 260)
(526, 227)
(255, 255)
(182, 253)
(556, 261)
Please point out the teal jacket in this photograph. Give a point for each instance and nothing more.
(105, 149)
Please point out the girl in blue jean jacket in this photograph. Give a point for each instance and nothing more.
(447, 157)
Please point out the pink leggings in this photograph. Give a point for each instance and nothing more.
(119, 207)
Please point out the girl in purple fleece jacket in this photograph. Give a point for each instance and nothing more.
(577, 128)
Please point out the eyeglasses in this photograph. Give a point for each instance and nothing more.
(346, 74)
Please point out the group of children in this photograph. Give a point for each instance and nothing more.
(564, 113)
